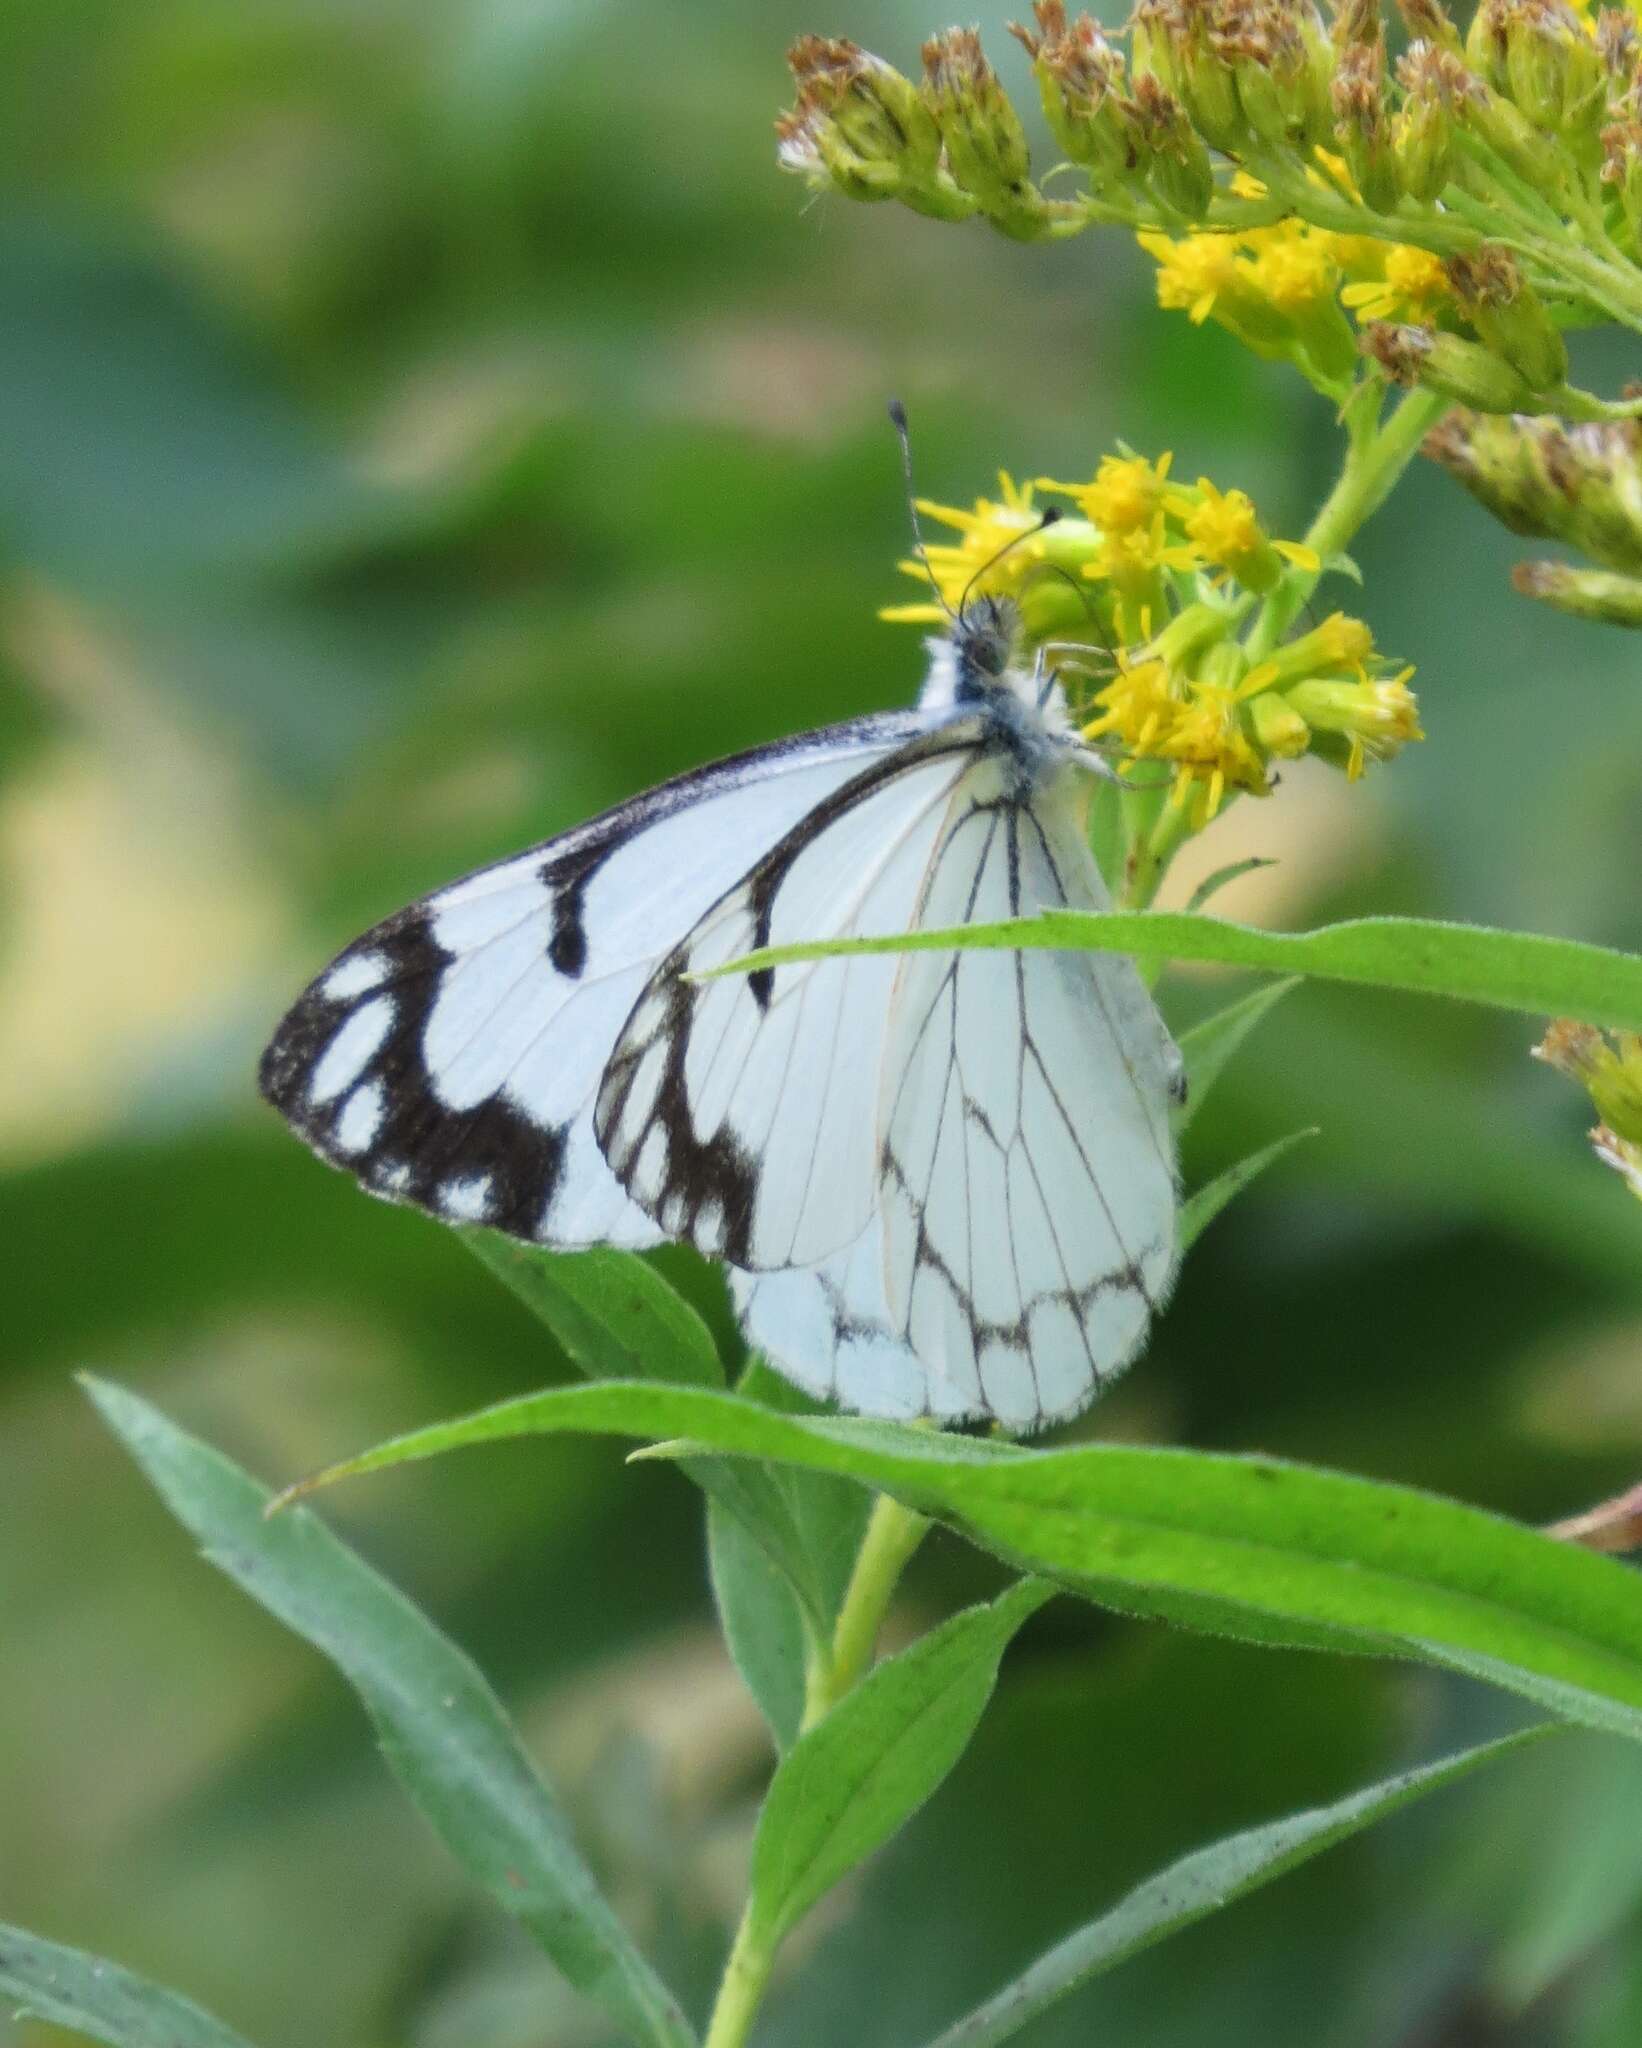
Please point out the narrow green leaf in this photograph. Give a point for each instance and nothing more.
(1510, 970)
(861, 1772)
(1222, 878)
(444, 1732)
(1306, 1555)
(616, 1317)
(68, 1988)
(762, 1621)
(1203, 1207)
(1208, 1047)
(1200, 1884)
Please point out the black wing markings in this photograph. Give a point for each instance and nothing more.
(713, 1180)
(385, 1123)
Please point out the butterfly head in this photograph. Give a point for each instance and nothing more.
(983, 637)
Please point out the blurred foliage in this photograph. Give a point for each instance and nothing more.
(421, 423)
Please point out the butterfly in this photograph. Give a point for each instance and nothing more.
(943, 1183)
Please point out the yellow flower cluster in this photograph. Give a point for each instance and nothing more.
(1157, 579)
(1280, 289)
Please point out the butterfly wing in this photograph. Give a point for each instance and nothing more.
(451, 1056)
(1026, 1227)
(741, 1112)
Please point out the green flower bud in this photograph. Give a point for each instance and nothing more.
(1422, 133)
(1580, 484)
(985, 142)
(1507, 313)
(1428, 22)
(1608, 1069)
(1080, 79)
(1485, 44)
(1506, 130)
(1362, 125)
(1284, 99)
(1176, 161)
(1446, 364)
(859, 125)
(1553, 69)
(1622, 170)
(1598, 594)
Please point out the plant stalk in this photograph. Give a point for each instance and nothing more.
(893, 1533)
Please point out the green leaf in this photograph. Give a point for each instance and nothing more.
(444, 1732)
(68, 1988)
(1234, 871)
(616, 1317)
(1208, 1047)
(861, 1772)
(1200, 1884)
(1203, 1207)
(1510, 970)
(1204, 1538)
(762, 1621)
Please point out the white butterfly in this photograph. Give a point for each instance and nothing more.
(943, 1182)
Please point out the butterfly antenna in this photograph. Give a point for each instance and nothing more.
(898, 420)
(1050, 516)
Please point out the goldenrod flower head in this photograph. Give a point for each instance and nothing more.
(1179, 687)
(1192, 274)
(1225, 528)
(1139, 705)
(1294, 267)
(1211, 748)
(1127, 492)
(1609, 1069)
(1412, 285)
(1375, 718)
(991, 528)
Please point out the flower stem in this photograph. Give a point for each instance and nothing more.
(1376, 457)
(893, 1534)
(741, 1989)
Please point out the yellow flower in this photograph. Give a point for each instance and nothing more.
(1126, 495)
(1413, 288)
(1224, 525)
(1375, 717)
(1192, 274)
(1138, 705)
(1211, 748)
(1293, 268)
(992, 527)
(1131, 556)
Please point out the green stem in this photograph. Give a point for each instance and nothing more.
(893, 1534)
(1375, 458)
(1149, 863)
(741, 1989)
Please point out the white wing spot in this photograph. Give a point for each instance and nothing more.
(466, 1201)
(351, 1050)
(361, 1118)
(355, 976)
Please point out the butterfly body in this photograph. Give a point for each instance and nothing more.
(943, 1182)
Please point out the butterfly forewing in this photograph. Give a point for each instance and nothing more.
(741, 1111)
(450, 1057)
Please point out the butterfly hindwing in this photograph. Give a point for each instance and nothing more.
(450, 1058)
(1025, 1230)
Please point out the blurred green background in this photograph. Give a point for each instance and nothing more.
(420, 425)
